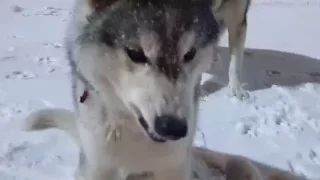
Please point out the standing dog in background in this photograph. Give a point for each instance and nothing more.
(232, 16)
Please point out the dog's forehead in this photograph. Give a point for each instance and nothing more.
(171, 26)
(169, 23)
(121, 25)
(168, 19)
(167, 27)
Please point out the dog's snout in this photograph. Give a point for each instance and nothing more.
(171, 127)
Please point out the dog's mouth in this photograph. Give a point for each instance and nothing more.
(155, 137)
(152, 135)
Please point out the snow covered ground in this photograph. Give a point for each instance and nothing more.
(279, 125)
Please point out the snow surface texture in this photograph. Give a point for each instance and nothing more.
(279, 125)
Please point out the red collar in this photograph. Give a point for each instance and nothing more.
(84, 96)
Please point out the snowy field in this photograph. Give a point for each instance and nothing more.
(279, 125)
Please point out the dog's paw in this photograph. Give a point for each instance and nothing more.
(238, 92)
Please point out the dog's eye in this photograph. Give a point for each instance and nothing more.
(137, 55)
(189, 55)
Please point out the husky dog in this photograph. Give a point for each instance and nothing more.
(232, 16)
(136, 64)
(135, 71)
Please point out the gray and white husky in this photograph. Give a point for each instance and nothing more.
(136, 65)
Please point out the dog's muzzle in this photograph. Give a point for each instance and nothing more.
(166, 127)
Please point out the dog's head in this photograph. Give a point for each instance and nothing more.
(151, 52)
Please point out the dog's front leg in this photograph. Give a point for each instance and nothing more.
(237, 29)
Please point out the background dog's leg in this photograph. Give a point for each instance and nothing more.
(237, 29)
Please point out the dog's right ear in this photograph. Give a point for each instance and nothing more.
(100, 5)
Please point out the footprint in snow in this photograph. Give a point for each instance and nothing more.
(246, 129)
(45, 11)
(46, 60)
(17, 9)
(7, 58)
(22, 75)
(50, 70)
(305, 166)
(52, 64)
(54, 45)
(314, 155)
(13, 152)
(16, 149)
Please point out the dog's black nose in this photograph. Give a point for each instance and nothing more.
(171, 127)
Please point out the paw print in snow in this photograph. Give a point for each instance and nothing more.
(7, 58)
(46, 60)
(20, 75)
(45, 11)
(54, 45)
(48, 11)
(17, 9)
(246, 129)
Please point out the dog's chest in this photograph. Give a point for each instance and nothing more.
(139, 154)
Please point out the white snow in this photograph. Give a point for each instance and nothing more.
(279, 125)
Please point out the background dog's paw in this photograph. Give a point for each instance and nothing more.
(238, 92)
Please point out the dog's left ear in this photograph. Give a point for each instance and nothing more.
(100, 5)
